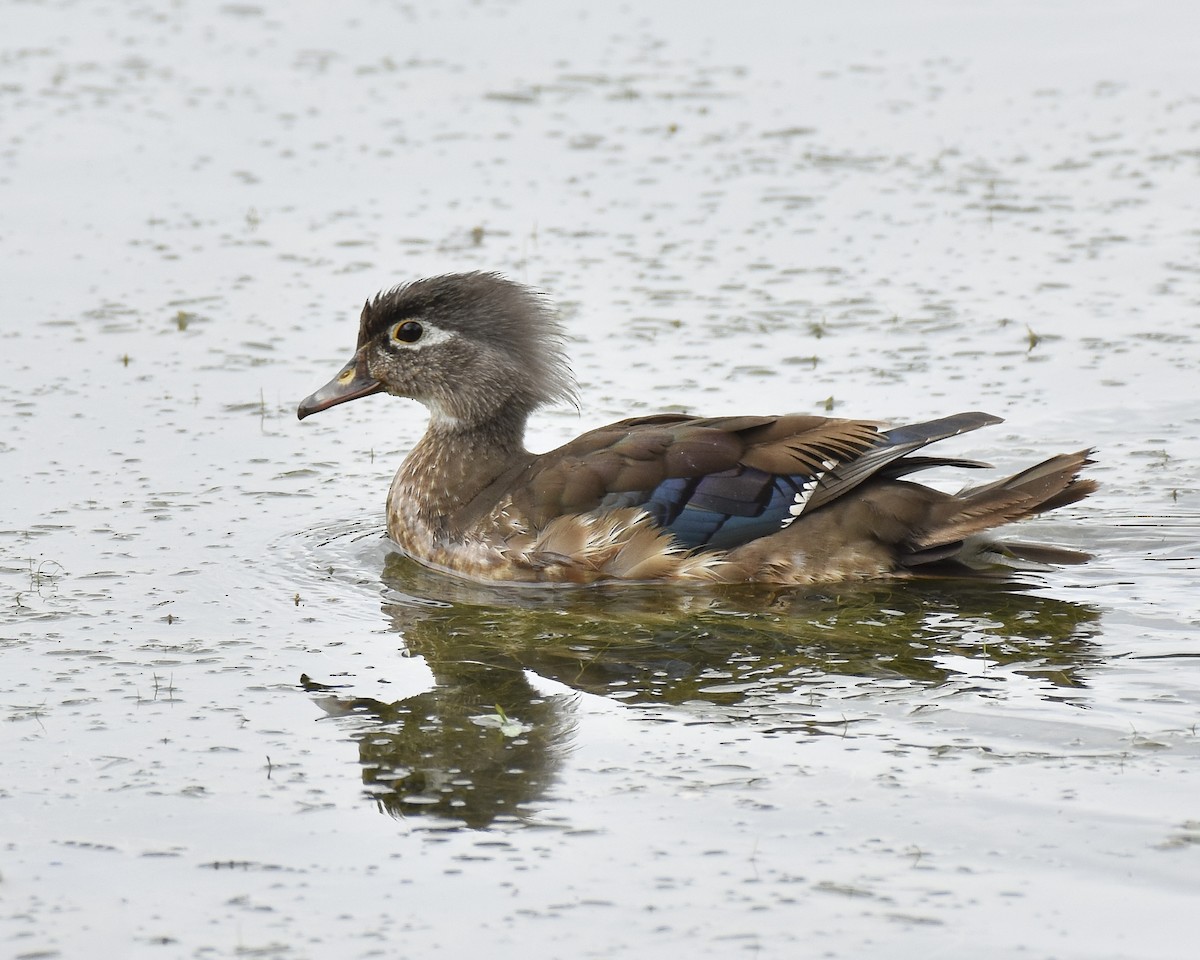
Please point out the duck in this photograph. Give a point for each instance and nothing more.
(781, 499)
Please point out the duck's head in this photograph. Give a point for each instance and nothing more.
(470, 346)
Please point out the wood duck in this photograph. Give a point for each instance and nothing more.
(786, 499)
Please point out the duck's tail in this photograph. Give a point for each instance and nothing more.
(955, 527)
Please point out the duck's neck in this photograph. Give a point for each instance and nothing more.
(454, 462)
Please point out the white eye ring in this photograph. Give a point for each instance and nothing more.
(408, 331)
(411, 334)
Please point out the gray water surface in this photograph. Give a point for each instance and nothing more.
(236, 724)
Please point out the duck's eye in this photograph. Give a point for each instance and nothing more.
(408, 332)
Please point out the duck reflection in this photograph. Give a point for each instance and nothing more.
(485, 743)
(457, 751)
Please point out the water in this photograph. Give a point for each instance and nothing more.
(238, 725)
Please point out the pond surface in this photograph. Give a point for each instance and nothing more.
(236, 724)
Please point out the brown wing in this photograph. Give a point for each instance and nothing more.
(666, 462)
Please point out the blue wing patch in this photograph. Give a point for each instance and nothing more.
(724, 510)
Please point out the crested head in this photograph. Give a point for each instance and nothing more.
(473, 347)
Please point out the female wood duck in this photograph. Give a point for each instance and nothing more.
(777, 499)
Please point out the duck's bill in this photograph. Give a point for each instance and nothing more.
(352, 382)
